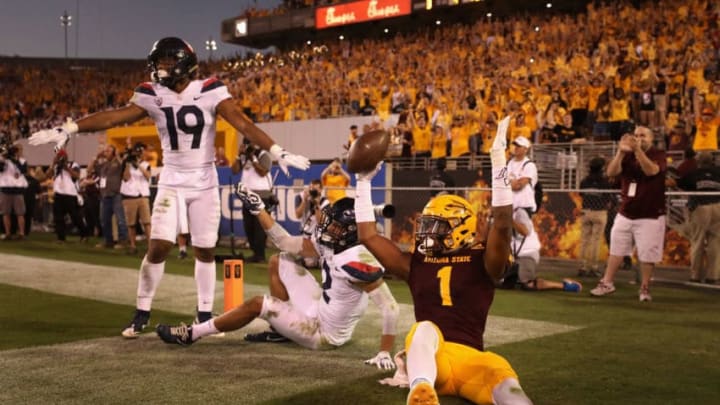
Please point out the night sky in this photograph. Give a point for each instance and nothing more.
(124, 29)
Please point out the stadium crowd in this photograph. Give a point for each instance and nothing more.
(571, 76)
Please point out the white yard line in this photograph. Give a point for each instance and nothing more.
(177, 294)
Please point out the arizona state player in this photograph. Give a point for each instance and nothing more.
(184, 111)
(452, 284)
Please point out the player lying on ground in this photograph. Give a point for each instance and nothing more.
(298, 308)
(184, 111)
(452, 281)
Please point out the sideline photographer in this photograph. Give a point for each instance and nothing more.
(307, 209)
(12, 188)
(109, 169)
(135, 191)
(65, 201)
(255, 164)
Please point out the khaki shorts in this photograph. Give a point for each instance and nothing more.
(137, 208)
(10, 203)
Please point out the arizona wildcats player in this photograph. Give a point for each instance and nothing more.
(314, 316)
(184, 111)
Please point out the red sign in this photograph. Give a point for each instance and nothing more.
(360, 11)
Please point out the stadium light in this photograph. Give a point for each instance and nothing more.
(438, 22)
(210, 46)
(341, 37)
(548, 5)
(65, 22)
(386, 30)
(488, 15)
(537, 28)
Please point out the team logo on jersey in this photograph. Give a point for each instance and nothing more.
(158, 101)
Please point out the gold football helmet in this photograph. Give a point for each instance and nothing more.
(447, 224)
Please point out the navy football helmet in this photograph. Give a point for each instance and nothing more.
(337, 228)
(186, 62)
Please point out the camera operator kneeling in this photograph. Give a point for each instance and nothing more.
(135, 191)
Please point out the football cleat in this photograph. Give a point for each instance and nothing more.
(136, 326)
(180, 335)
(269, 336)
(423, 394)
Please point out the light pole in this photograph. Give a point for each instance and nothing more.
(66, 21)
(210, 46)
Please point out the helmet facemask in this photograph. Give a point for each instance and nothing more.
(171, 61)
(446, 225)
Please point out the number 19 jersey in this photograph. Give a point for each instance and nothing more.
(186, 126)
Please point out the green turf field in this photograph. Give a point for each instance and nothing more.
(65, 348)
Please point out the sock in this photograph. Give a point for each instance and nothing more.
(205, 282)
(148, 280)
(204, 329)
(421, 355)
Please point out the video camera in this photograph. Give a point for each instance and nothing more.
(133, 154)
(7, 149)
(385, 211)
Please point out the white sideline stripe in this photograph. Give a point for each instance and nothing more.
(177, 294)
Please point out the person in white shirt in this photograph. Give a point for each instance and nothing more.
(65, 197)
(184, 110)
(135, 191)
(314, 316)
(12, 189)
(523, 176)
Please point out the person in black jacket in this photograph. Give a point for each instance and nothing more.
(594, 217)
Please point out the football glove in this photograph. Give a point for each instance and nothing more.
(58, 135)
(285, 159)
(251, 201)
(382, 361)
(368, 176)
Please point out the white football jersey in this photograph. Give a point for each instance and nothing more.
(342, 303)
(186, 126)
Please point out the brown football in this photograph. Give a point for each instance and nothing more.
(367, 151)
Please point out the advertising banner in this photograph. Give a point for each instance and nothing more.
(360, 11)
(289, 188)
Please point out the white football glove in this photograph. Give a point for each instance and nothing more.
(251, 201)
(59, 135)
(499, 145)
(382, 361)
(285, 159)
(368, 176)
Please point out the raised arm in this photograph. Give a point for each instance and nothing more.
(497, 246)
(388, 254)
(230, 112)
(296, 245)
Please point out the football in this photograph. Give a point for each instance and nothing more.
(367, 151)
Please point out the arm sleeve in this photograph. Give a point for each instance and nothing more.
(383, 298)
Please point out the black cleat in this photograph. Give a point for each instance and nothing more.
(136, 326)
(269, 336)
(180, 335)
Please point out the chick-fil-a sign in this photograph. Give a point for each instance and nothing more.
(360, 11)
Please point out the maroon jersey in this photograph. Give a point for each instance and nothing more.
(454, 292)
(649, 198)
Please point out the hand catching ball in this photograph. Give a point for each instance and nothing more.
(367, 151)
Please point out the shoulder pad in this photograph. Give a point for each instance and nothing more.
(358, 263)
(363, 272)
(210, 84)
(145, 88)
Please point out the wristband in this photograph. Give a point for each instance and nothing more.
(502, 194)
(363, 203)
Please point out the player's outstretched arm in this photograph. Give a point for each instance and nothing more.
(277, 234)
(385, 251)
(95, 122)
(497, 246)
(381, 296)
(232, 114)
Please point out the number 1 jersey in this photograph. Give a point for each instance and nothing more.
(186, 125)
